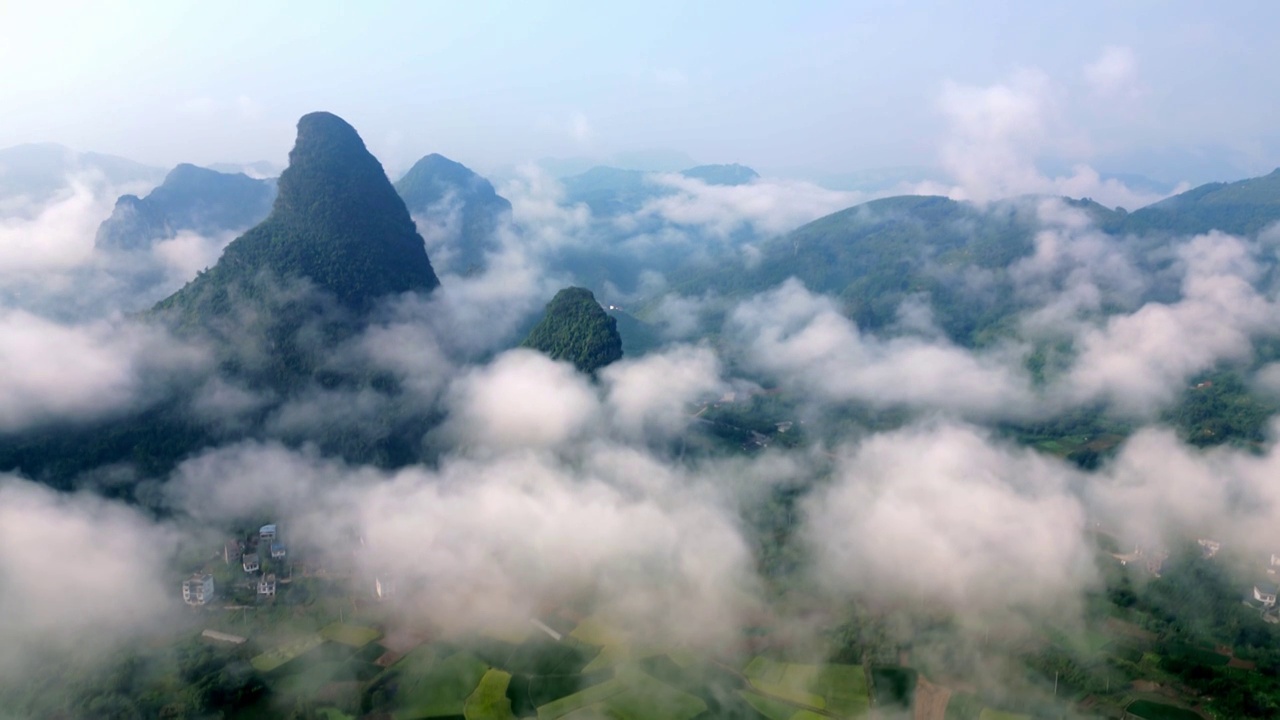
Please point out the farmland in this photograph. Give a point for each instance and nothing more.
(1149, 710)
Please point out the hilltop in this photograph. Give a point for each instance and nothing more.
(337, 223)
(1241, 208)
(575, 328)
(458, 205)
(192, 199)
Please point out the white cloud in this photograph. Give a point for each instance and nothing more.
(803, 341)
(59, 372)
(1114, 73)
(80, 575)
(940, 515)
(521, 399)
(997, 134)
(770, 206)
(1143, 360)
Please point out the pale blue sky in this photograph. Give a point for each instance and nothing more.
(830, 86)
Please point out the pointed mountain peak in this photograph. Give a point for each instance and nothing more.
(336, 222)
(435, 176)
(460, 211)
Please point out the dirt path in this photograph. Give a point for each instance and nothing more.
(930, 700)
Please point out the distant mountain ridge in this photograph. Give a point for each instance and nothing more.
(38, 171)
(729, 175)
(457, 203)
(1243, 207)
(610, 191)
(191, 199)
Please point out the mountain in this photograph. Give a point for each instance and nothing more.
(38, 171)
(722, 174)
(610, 191)
(191, 199)
(1240, 208)
(575, 328)
(336, 222)
(259, 170)
(272, 310)
(874, 256)
(462, 210)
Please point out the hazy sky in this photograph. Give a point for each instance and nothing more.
(1177, 90)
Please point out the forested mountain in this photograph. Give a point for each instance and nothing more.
(337, 222)
(734, 174)
(191, 199)
(272, 310)
(458, 205)
(1242, 208)
(575, 328)
(873, 256)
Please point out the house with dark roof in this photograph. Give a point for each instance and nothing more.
(278, 550)
(250, 563)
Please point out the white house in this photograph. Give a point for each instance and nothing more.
(1208, 547)
(250, 563)
(1265, 593)
(198, 590)
(267, 585)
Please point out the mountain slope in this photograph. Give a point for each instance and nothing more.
(875, 255)
(1240, 208)
(190, 199)
(722, 174)
(575, 328)
(337, 222)
(458, 205)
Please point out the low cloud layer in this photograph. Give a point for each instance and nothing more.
(78, 576)
(942, 516)
(74, 372)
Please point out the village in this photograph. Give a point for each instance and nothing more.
(264, 560)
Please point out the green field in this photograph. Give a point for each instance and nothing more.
(272, 659)
(355, 636)
(430, 686)
(579, 700)
(768, 707)
(489, 701)
(842, 689)
(633, 695)
(646, 698)
(989, 714)
(1157, 711)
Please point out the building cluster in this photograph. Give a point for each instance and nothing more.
(199, 589)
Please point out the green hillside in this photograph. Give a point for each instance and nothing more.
(575, 328)
(1241, 208)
